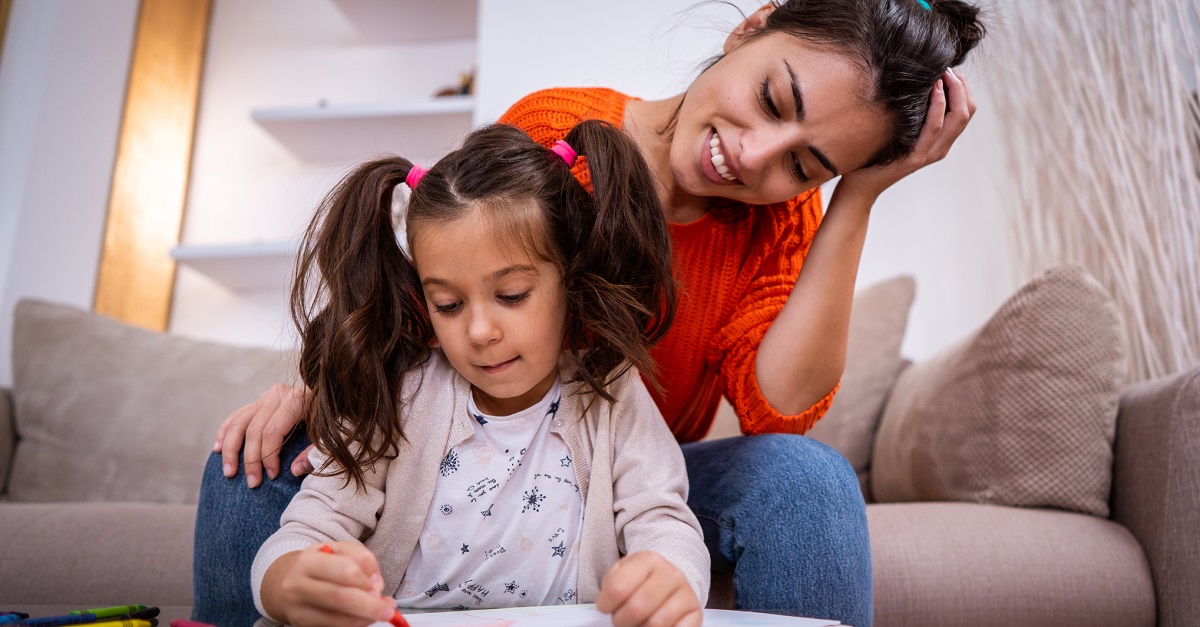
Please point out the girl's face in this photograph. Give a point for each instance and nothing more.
(498, 316)
(775, 117)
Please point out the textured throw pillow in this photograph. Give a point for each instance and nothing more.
(1022, 412)
(109, 412)
(878, 319)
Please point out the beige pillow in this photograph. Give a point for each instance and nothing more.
(878, 319)
(1022, 412)
(108, 412)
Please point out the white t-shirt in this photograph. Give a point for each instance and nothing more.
(503, 528)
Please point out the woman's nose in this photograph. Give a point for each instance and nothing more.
(761, 149)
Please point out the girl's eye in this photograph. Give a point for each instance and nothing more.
(764, 98)
(512, 299)
(798, 170)
(448, 308)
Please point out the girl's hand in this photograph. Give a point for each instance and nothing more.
(337, 588)
(263, 424)
(942, 127)
(643, 588)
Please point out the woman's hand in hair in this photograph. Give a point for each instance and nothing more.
(950, 109)
(262, 426)
(643, 588)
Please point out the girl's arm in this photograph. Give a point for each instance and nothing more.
(326, 511)
(802, 355)
(664, 576)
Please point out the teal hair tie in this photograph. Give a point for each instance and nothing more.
(925, 4)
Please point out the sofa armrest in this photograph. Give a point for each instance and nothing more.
(8, 437)
(1156, 486)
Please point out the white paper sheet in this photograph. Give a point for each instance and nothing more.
(588, 616)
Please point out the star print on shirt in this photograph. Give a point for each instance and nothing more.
(511, 587)
(566, 461)
(437, 587)
(480, 419)
(558, 550)
(487, 512)
(553, 407)
(465, 550)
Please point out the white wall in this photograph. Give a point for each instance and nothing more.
(245, 185)
(944, 225)
(62, 89)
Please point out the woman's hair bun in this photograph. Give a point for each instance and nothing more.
(962, 23)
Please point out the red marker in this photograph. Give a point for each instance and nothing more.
(397, 619)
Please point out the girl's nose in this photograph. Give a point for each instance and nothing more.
(482, 329)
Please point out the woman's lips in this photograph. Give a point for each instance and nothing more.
(706, 162)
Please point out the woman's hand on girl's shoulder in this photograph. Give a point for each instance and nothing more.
(336, 584)
(262, 426)
(643, 588)
(943, 125)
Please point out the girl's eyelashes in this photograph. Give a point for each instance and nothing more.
(764, 98)
(513, 299)
(448, 308)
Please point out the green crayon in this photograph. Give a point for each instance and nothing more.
(106, 612)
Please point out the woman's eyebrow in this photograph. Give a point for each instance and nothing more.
(798, 100)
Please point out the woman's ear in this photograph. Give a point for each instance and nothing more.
(752, 23)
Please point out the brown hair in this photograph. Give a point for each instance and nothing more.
(362, 314)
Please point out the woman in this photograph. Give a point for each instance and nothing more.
(805, 91)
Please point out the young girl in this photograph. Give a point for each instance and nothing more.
(484, 438)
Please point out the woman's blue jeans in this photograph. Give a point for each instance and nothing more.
(783, 513)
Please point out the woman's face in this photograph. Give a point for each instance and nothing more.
(775, 117)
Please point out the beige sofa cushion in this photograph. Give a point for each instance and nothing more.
(878, 319)
(951, 564)
(1022, 412)
(108, 412)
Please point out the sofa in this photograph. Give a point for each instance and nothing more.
(1013, 478)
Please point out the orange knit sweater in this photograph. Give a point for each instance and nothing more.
(736, 266)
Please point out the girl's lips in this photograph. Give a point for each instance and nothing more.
(706, 164)
(500, 367)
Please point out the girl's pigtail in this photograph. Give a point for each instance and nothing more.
(619, 284)
(357, 303)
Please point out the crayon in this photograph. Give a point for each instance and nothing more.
(8, 618)
(397, 619)
(105, 612)
(153, 622)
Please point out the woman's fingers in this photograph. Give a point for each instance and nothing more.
(279, 426)
(231, 433)
(301, 465)
(258, 430)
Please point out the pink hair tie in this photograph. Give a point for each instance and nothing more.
(564, 150)
(414, 176)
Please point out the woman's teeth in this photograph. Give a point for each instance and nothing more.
(718, 159)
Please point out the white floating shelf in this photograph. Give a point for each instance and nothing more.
(411, 21)
(242, 267)
(420, 130)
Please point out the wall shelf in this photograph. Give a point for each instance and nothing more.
(242, 267)
(421, 130)
(411, 21)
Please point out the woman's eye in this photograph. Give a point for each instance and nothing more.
(448, 308)
(764, 98)
(512, 299)
(798, 170)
